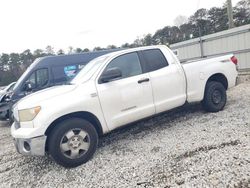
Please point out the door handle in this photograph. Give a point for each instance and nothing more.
(143, 80)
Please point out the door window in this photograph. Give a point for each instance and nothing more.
(32, 79)
(42, 77)
(39, 78)
(129, 64)
(154, 60)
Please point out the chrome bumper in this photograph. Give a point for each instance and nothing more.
(31, 146)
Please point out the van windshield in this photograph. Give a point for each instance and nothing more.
(88, 70)
(20, 80)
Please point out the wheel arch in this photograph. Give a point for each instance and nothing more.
(219, 77)
(83, 115)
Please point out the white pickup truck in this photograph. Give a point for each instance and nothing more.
(111, 91)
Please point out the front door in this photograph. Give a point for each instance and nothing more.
(128, 98)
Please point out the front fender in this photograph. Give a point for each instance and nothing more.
(52, 111)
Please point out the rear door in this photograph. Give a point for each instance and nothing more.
(168, 83)
(128, 98)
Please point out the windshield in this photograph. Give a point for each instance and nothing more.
(89, 70)
(9, 87)
(19, 81)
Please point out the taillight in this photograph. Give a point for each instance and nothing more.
(234, 60)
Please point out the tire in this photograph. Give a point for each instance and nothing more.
(215, 97)
(72, 142)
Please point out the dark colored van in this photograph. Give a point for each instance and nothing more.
(46, 72)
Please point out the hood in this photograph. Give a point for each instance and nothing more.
(36, 98)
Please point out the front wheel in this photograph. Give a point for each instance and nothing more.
(73, 142)
(215, 97)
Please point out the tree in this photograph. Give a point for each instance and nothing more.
(148, 40)
(126, 45)
(14, 65)
(167, 35)
(70, 50)
(201, 21)
(242, 13)
(38, 53)
(218, 19)
(97, 48)
(78, 50)
(138, 42)
(111, 47)
(49, 50)
(26, 57)
(86, 50)
(4, 62)
(161, 35)
(60, 52)
(187, 30)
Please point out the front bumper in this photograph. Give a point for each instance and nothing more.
(30, 146)
(25, 145)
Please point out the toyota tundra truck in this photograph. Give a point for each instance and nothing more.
(114, 90)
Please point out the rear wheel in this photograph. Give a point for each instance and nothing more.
(73, 142)
(215, 97)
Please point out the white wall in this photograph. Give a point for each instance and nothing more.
(236, 40)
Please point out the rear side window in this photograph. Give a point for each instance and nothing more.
(154, 60)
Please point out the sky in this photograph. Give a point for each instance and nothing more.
(35, 24)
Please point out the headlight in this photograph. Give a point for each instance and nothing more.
(28, 114)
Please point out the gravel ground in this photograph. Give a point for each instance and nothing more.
(186, 147)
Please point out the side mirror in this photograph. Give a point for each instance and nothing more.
(28, 86)
(111, 74)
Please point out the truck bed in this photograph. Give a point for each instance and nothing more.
(198, 71)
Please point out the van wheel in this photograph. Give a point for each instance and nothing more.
(73, 142)
(215, 97)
